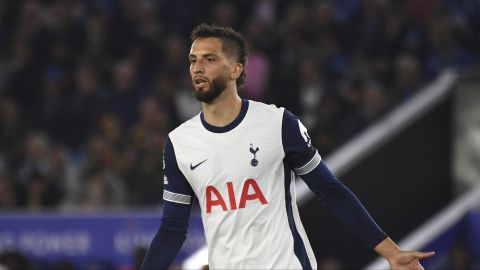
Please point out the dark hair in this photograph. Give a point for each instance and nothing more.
(233, 43)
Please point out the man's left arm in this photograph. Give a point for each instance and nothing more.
(337, 198)
(345, 206)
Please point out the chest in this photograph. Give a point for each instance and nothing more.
(219, 159)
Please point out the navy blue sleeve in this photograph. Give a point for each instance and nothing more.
(297, 144)
(170, 237)
(175, 186)
(176, 213)
(344, 205)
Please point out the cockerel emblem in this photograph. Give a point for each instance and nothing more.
(254, 151)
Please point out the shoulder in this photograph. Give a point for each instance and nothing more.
(260, 107)
(188, 127)
(272, 110)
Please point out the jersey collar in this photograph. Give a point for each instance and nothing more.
(232, 125)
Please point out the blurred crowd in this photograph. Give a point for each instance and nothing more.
(90, 89)
(16, 260)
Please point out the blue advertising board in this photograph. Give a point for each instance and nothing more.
(83, 238)
(113, 236)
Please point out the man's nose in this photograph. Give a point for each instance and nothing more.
(198, 68)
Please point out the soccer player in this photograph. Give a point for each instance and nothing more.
(240, 158)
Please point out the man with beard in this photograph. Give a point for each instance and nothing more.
(240, 158)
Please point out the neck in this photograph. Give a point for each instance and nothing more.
(224, 109)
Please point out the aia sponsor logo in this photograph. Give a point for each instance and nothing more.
(250, 192)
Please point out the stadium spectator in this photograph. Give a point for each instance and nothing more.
(13, 130)
(102, 188)
(258, 70)
(406, 78)
(85, 106)
(143, 180)
(8, 193)
(125, 94)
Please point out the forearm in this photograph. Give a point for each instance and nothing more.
(169, 238)
(344, 205)
(163, 249)
(348, 210)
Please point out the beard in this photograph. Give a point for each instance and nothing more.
(216, 87)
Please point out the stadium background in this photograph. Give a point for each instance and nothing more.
(89, 89)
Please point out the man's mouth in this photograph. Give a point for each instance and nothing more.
(200, 81)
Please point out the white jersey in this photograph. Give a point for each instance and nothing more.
(243, 176)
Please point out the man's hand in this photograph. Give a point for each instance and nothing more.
(399, 259)
(408, 260)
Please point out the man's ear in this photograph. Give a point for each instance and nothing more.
(237, 71)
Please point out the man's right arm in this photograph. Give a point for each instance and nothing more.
(169, 238)
(177, 196)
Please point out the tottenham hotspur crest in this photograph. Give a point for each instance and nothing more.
(254, 151)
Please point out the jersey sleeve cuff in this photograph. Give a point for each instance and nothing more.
(176, 197)
(310, 165)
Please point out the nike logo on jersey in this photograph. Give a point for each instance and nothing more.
(193, 167)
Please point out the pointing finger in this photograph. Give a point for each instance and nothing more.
(424, 255)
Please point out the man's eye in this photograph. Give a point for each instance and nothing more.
(192, 61)
(210, 60)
